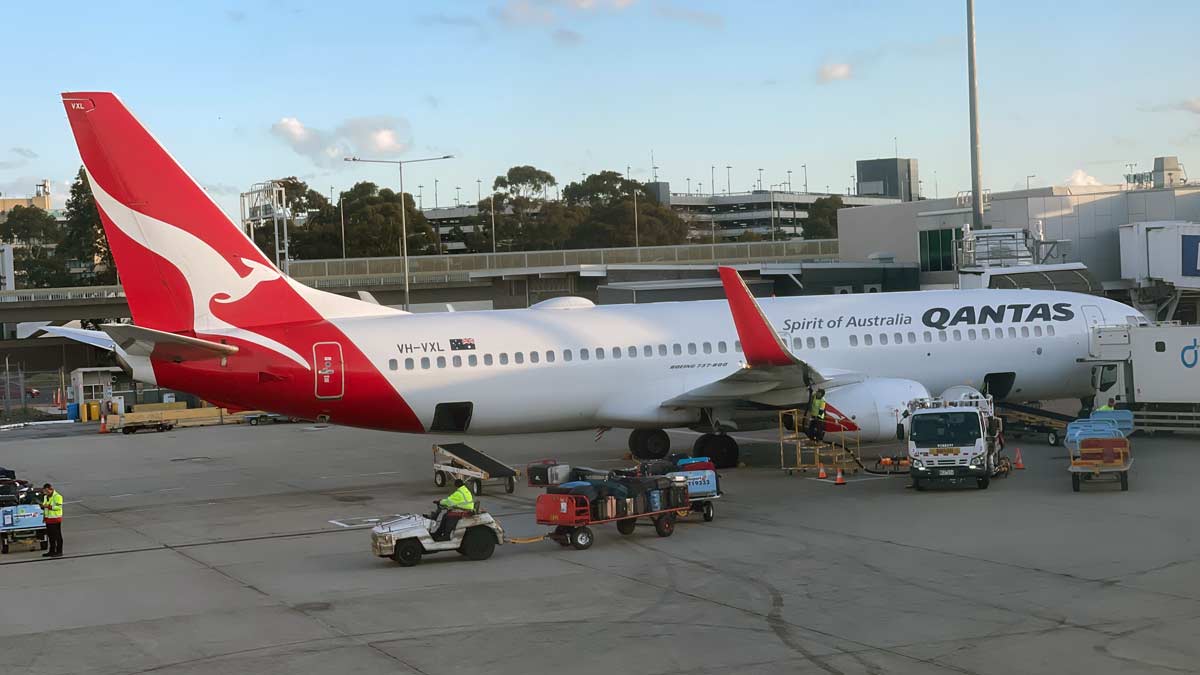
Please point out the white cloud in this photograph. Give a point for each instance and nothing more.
(1080, 178)
(831, 72)
(1191, 105)
(377, 136)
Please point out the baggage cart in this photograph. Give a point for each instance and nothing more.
(571, 516)
(1098, 447)
(704, 488)
(21, 518)
(459, 460)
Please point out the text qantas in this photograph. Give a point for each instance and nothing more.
(942, 317)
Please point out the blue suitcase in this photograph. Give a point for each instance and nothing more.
(693, 460)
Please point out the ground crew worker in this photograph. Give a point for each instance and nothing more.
(1108, 406)
(52, 512)
(459, 500)
(816, 416)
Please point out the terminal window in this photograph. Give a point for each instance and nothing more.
(937, 249)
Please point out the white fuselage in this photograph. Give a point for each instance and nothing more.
(528, 370)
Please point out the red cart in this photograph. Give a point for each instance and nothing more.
(571, 516)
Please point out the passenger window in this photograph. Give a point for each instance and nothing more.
(503, 359)
(928, 337)
(707, 347)
(722, 347)
(912, 337)
(898, 338)
(472, 360)
(970, 333)
(853, 340)
(550, 356)
(662, 350)
(424, 363)
(1160, 346)
(1037, 331)
(957, 335)
(567, 355)
(868, 340)
(519, 357)
(1050, 330)
(533, 357)
(942, 336)
(676, 349)
(631, 352)
(409, 364)
(691, 348)
(1012, 332)
(393, 364)
(824, 342)
(883, 338)
(1024, 331)
(584, 354)
(647, 351)
(616, 351)
(797, 342)
(457, 361)
(487, 359)
(599, 353)
(812, 344)
(441, 362)
(987, 334)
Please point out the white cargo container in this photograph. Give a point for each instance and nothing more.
(1153, 370)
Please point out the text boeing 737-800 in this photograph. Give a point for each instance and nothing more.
(214, 317)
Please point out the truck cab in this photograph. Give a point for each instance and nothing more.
(952, 439)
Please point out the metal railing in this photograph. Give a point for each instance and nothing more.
(348, 273)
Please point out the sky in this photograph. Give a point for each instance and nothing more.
(1070, 92)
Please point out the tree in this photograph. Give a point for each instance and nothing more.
(29, 225)
(83, 234)
(524, 182)
(34, 235)
(606, 201)
(822, 218)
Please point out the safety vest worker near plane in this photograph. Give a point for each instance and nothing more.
(816, 416)
(52, 512)
(1107, 406)
(461, 499)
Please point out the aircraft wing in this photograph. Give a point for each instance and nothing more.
(138, 341)
(772, 374)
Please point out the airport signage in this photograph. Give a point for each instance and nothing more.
(942, 317)
(1191, 255)
(1190, 355)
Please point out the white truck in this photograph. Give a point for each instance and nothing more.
(954, 437)
(1153, 370)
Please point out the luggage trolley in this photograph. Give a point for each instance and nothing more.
(473, 466)
(571, 516)
(21, 518)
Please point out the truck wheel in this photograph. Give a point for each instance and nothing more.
(627, 526)
(127, 430)
(983, 483)
(1075, 482)
(1124, 481)
(439, 478)
(709, 512)
(476, 487)
(408, 552)
(562, 535)
(510, 485)
(664, 525)
(253, 421)
(478, 543)
(1052, 438)
(582, 538)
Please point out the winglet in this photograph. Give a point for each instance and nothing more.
(760, 344)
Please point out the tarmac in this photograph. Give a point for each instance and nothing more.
(246, 550)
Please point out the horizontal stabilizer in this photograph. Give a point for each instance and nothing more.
(95, 338)
(138, 341)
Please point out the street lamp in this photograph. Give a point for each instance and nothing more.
(805, 167)
(342, 214)
(399, 163)
(457, 194)
(760, 179)
(789, 180)
(727, 183)
(421, 197)
(1032, 175)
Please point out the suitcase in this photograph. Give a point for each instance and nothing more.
(539, 474)
(8, 473)
(661, 482)
(676, 457)
(655, 500)
(610, 504)
(699, 466)
(558, 473)
(657, 467)
(629, 507)
(587, 473)
(692, 460)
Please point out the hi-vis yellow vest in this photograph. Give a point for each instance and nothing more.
(52, 506)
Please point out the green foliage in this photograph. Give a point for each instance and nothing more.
(83, 236)
(822, 218)
(372, 217)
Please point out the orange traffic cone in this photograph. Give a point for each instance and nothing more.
(104, 424)
(821, 474)
(839, 480)
(1018, 464)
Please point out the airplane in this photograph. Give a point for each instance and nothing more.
(214, 317)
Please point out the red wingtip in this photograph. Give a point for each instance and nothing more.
(760, 344)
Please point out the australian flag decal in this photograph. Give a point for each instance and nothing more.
(459, 344)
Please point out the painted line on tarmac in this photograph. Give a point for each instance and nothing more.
(852, 479)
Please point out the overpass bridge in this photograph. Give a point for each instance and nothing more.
(433, 279)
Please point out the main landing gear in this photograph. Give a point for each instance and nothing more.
(649, 443)
(722, 449)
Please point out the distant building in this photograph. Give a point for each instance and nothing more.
(894, 178)
(40, 199)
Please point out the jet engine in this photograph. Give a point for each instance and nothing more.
(872, 406)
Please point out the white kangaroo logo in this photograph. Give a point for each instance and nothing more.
(209, 275)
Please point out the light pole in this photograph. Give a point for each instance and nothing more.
(493, 222)
(435, 184)
(689, 182)
(457, 194)
(789, 180)
(1032, 175)
(421, 197)
(727, 183)
(760, 179)
(478, 190)
(805, 167)
(712, 180)
(404, 207)
(342, 215)
(637, 242)
(973, 95)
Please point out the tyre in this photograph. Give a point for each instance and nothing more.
(408, 552)
(983, 483)
(1075, 482)
(637, 438)
(163, 427)
(127, 430)
(664, 525)
(627, 526)
(253, 421)
(582, 538)
(1052, 438)
(709, 512)
(724, 452)
(700, 447)
(1124, 481)
(918, 485)
(476, 487)
(562, 535)
(510, 485)
(439, 478)
(478, 543)
(656, 444)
